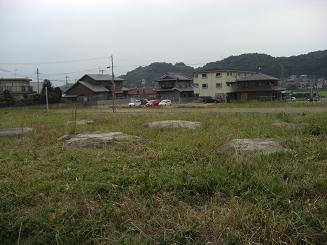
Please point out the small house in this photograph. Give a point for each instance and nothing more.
(92, 87)
(175, 87)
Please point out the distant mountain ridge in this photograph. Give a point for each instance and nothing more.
(153, 72)
(313, 64)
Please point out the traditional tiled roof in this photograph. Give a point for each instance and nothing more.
(99, 77)
(174, 76)
(257, 77)
(15, 79)
(209, 70)
(94, 87)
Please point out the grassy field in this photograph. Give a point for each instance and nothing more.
(323, 93)
(172, 188)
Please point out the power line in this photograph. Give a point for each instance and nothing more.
(53, 75)
(52, 62)
(70, 72)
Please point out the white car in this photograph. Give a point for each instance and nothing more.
(291, 99)
(136, 103)
(165, 103)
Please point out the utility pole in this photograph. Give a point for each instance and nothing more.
(113, 86)
(46, 99)
(38, 82)
(66, 80)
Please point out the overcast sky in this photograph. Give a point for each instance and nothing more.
(138, 32)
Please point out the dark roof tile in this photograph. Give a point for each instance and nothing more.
(258, 77)
(93, 87)
(99, 77)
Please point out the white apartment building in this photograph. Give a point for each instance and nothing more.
(216, 83)
(236, 85)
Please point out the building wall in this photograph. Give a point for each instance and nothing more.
(175, 96)
(212, 78)
(168, 95)
(15, 86)
(262, 95)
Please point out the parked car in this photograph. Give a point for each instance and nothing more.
(315, 99)
(144, 101)
(136, 103)
(291, 99)
(209, 100)
(152, 103)
(165, 103)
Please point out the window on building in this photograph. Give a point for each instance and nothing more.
(229, 73)
(204, 75)
(218, 85)
(218, 74)
(204, 85)
(244, 85)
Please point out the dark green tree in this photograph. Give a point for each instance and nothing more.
(54, 94)
(7, 99)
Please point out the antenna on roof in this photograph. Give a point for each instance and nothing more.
(101, 71)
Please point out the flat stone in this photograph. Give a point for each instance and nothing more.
(81, 122)
(286, 125)
(65, 137)
(173, 124)
(5, 132)
(252, 146)
(97, 139)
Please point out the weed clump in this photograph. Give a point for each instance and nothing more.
(283, 117)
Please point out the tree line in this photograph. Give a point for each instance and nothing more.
(54, 96)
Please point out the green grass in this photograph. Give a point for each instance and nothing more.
(170, 188)
(323, 93)
(268, 104)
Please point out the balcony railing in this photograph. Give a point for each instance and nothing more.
(17, 89)
(237, 88)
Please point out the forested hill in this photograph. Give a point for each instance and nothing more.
(153, 72)
(314, 64)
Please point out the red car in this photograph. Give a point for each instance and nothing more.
(152, 103)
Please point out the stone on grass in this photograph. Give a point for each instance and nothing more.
(97, 139)
(14, 131)
(286, 125)
(65, 137)
(81, 122)
(252, 146)
(173, 124)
